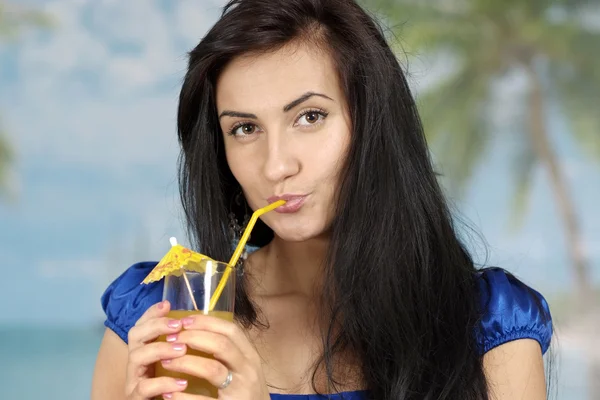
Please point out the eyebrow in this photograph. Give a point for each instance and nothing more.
(286, 108)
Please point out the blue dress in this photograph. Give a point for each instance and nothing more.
(512, 311)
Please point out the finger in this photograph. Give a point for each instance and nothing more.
(186, 396)
(153, 352)
(207, 368)
(149, 388)
(157, 310)
(220, 326)
(151, 330)
(220, 346)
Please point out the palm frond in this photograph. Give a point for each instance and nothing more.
(568, 42)
(454, 116)
(426, 23)
(6, 159)
(575, 84)
(583, 116)
(417, 10)
(14, 19)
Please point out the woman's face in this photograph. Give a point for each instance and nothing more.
(286, 131)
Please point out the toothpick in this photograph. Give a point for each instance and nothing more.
(173, 241)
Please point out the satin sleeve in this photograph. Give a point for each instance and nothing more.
(126, 298)
(511, 311)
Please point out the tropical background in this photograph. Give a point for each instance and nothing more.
(509, 93)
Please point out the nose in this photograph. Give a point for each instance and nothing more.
(281, 161)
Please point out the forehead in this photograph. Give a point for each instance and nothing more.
(276, 78)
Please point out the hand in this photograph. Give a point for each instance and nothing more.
(140, 383)
(232, 352)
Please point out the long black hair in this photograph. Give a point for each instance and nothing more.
(400, 289)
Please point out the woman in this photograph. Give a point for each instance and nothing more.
(360, 285)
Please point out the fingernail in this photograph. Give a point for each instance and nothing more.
(172, 338)
(181, 382)
(161, 305)
(178, 347)
(165, 362)
(167, 396)
(187, 321)
(174, 323)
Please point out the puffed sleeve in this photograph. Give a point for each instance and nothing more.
(126, 299)
(511, 311)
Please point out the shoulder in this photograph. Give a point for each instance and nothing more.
(511, 310)
(126, 298)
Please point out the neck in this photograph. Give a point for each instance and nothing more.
(289, 267)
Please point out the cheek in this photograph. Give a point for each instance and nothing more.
(330, 159)
(244, 168)
(236, 164)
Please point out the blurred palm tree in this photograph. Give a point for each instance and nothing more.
(13, 20)
(6, 158)
(484, 43)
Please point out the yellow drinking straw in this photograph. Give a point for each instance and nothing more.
(239, 249)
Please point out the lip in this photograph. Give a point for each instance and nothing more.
(293, 202)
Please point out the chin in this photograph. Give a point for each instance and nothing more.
(297, 227)
(297, 234)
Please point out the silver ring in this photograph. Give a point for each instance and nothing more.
(227, 380)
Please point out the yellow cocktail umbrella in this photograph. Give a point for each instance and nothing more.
(178, 260)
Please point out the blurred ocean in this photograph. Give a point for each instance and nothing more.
(38, 363)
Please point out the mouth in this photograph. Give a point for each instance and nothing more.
(293, 202)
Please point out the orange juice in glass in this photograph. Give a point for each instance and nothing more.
(203, 286)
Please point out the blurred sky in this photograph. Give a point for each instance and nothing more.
(90, 110)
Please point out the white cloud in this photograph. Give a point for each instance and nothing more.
(110, 137)
(81, 100)
(69, 46)
(193, 22)
(87, 44)
(78, 44)
(142, 23)
(132, 71)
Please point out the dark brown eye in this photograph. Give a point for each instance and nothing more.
(241, 130)
(248, 129)
(312, 117)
